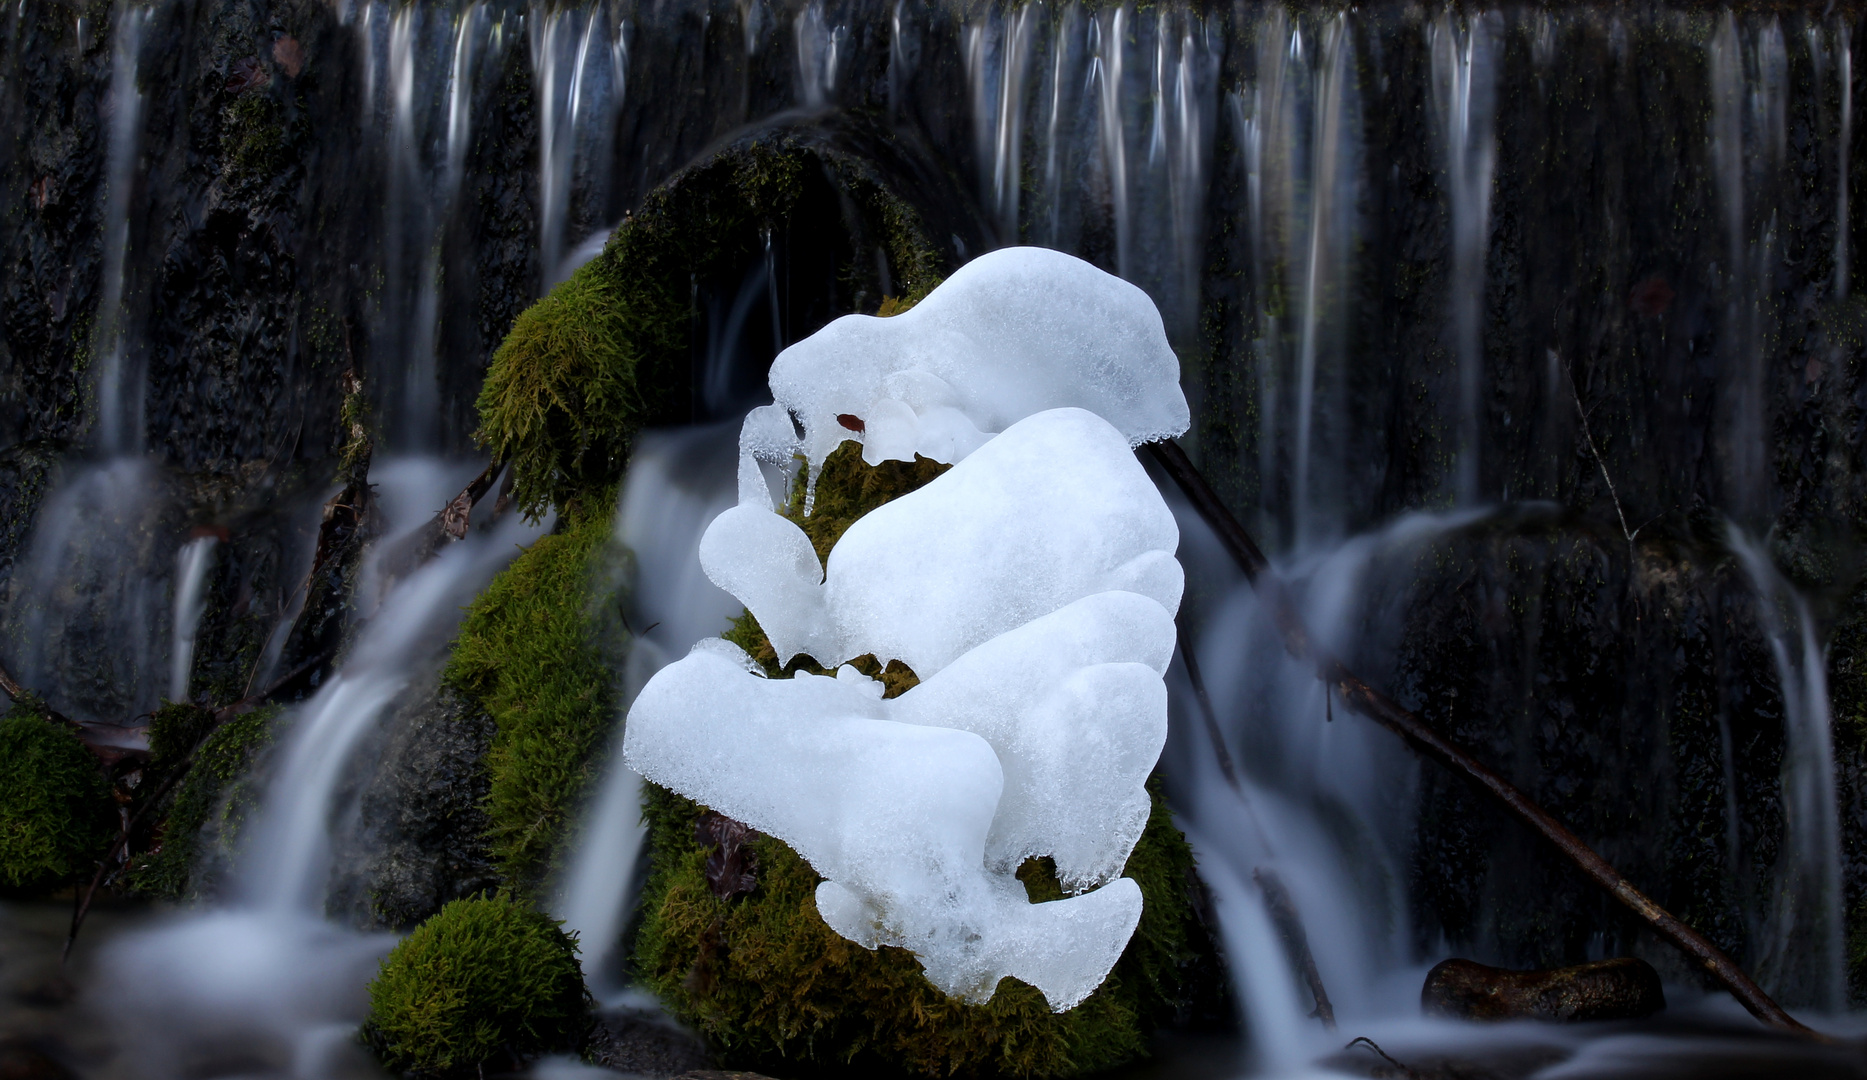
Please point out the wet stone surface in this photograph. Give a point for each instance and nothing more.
(1626, 988)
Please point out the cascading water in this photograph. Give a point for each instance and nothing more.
(1462, 88)
(191, 568)
(119, 405)
(265, 970)
(1807, 924)
(580, 63)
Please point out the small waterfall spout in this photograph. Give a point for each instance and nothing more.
(1463, 78)
(119, 389)
(1808, 921)
(191, 568)
(579, 63)
(678, 483)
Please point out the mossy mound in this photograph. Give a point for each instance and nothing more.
(55, 808)
(485, 979)
(535, 651)
(609, 350)
(211, 802)
(771, 986)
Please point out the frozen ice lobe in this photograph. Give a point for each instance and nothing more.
(1052, 510)
(1032, 588)
(1014, 332)
(894, 815)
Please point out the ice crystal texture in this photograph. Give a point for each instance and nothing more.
(1031, 587)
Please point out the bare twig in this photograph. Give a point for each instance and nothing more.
(1363, 1040)
(1290, 926)
(1600, 462)
(1419, 735)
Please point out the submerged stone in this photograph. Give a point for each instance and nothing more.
(1625, 988)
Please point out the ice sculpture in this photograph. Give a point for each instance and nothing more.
(1031, 587)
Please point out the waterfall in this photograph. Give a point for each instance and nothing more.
(191, 565)
(431, 62)
(119, 387)
(678, 482)
(265, 971)
(1808, 923)
(1462, 90)
(579, 67)
(1749, 99)
(819, 48)
(1844, 63)
(1108, 40)
(997, 51)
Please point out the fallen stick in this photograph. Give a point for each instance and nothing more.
(1282, 910)
(1383, 710)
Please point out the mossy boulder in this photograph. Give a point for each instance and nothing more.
(771, 986)
(486, 980)
(536, 651)
(610, 350)
(55, 806)
(211, 802)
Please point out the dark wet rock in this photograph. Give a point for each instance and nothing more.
(421, 825)
(24, 1059)
(650, 1046)
(1625, 988)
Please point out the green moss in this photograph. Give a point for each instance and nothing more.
(253, 135)
(486, 978)
(55, 807)
(211, 802)
(534, 651)
(770, 984)
(607, 352)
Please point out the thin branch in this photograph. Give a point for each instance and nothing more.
(1419, 735)
(1601, 462)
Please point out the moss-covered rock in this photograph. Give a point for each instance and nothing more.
(55, 808)
(609, 350)
(534, 651)
(771, 985)
(211, 802)
(485, 979)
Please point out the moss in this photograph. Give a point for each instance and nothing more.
(532, 651)
(607, 352)
(55, 807)
(487, 978)
(212, 801)
(771, 985)
(253, 135)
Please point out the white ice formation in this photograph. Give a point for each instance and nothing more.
(1010, 334)
(1031, 588)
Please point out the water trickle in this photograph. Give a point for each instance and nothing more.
(1748, 94)
(192, 563)
(1804, 960)
(1463, 78)
(1844, 64)
(998, 50)
(579, 68)
(1108, 43)
(678, 482)
(119, 380)
(819, 49)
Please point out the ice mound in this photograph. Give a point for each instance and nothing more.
(1053, 510)
(1014, 332)
(1031, 587)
